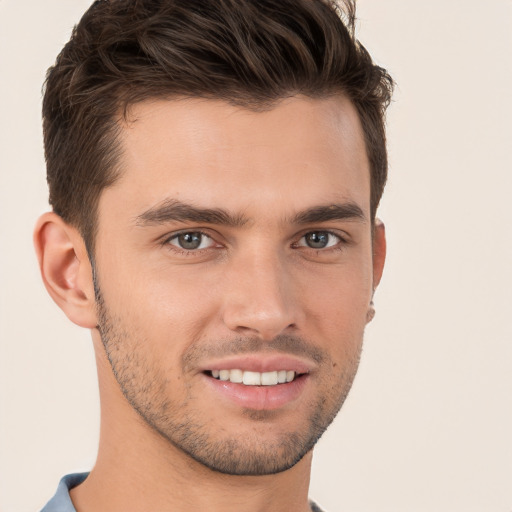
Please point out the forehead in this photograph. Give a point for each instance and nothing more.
(300, 153)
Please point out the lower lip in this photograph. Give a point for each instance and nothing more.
(259, 398)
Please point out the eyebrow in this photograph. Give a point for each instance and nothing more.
(173, 210)
(344, 211)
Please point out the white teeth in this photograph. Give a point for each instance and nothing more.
(236, 376)
(269, 378)
(254, 378)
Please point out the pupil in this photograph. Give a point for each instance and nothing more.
(317, 240)
(190, 240)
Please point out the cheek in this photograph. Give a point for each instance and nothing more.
(166, 307)
(340, 293)
(336, 305)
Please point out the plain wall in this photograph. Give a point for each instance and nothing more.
(427, 426)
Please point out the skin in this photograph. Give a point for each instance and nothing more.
(161, 315)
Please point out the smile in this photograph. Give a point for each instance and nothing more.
(258, 382)
(249, 378)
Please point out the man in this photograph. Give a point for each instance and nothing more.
(214, 167)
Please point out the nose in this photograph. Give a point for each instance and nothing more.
(260, 297)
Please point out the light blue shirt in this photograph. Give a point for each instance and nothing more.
(61, 502)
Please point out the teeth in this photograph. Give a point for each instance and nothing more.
(269, 378)
(236, 376)
(254, 378)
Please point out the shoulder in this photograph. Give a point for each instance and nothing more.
(61, 502)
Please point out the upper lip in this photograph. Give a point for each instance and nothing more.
(260, 363)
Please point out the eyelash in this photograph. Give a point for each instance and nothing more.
(167, 242)
(342, 241)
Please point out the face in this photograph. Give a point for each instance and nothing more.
(234, 271)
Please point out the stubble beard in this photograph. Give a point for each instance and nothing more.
(146, 387)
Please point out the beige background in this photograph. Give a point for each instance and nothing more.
(428, 424)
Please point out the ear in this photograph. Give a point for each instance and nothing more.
(379, 251)
(65, 269)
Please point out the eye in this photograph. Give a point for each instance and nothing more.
(319, 240)
(191, 241)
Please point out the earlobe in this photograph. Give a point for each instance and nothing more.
(379, 251)
(378, 259)
(65, 269)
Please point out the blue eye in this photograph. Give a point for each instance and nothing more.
(319, 240)
(191, 240)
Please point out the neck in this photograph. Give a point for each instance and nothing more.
(137, 469)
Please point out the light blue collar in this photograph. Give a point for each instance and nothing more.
(61, 502)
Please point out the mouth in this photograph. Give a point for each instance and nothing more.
(259, 381)
(251, 378)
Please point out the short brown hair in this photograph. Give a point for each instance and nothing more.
(251, 53)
